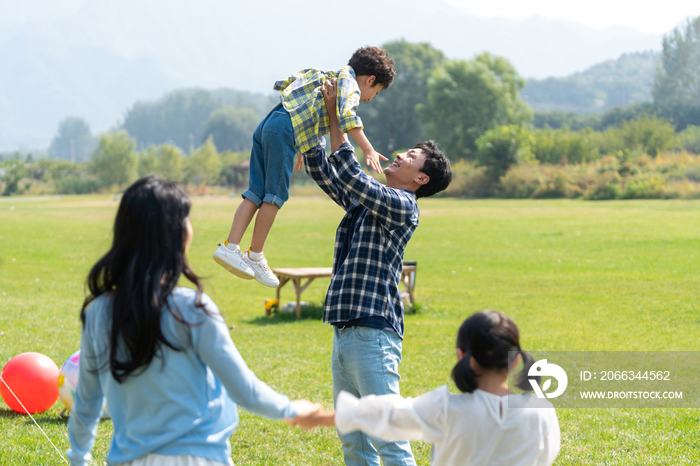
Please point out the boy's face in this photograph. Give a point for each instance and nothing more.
(367, 88)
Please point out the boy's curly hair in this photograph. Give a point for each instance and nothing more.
(373, 61)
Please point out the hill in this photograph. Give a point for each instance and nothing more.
(612, 83)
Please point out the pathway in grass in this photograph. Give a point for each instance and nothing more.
(574, 275)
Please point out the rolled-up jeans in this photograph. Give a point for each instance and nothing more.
(366, 361)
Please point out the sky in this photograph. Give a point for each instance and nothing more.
(660, 18)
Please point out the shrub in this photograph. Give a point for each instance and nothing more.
(643, 188)
(650, 133)
(689, 139)
(469, 181)
(564, 146)
(604, 187)
(76, 184)
(501, 147)
(557, 186)
(521, 182)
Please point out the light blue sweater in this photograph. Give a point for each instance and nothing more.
(183, 403)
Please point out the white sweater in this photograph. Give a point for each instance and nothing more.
(474, 429)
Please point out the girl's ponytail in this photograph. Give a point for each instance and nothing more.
(523, 383)
(463, 375)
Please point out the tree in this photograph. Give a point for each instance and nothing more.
(650, 133)
(501, 147)
(170, 163)
(114, 161)
(677, 83)
(231, 128)
(148, 160)
(73, 141)
(390, 120)
(180, 116)
(467, 98)
(178, 119)
(204, 164)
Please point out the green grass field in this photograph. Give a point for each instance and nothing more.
(574, 275)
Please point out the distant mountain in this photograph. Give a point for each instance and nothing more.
(613, 83)
(98, 62)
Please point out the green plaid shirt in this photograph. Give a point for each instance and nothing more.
(302, 98)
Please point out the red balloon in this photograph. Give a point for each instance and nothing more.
(33, 378)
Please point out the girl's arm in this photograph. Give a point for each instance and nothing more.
(216, 349)
(87, 406)
(391, 417)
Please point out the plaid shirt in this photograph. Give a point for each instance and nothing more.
(367, 282)
(302, 98)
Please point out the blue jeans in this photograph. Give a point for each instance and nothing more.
(366, 361)
(271, 159)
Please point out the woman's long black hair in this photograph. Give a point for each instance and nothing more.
(141, 269)
(488, 336)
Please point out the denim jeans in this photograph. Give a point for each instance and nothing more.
(366, 361)
(271, 159)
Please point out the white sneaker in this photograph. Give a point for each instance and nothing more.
(263, 274)
(233, 262)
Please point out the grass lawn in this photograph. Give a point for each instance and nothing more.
(574, 275)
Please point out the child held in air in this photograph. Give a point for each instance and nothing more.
(292, 128)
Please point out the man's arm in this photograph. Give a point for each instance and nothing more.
(348, 99)
(319, 168)
(329, 89)
(390, 206)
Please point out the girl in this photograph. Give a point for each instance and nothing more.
(474, 428)
(161, 355)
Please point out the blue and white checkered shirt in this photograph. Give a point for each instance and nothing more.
(367, 282)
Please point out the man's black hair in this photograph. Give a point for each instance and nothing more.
(436, 166)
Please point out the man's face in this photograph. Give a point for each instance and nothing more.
(407, 166)
(367, 90)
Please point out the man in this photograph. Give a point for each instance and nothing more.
(363, 302)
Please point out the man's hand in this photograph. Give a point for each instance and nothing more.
(329, 89)
(300, 162)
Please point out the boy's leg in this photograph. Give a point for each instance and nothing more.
(263, 224)
(369, 359)
(278, 162)
(252, 197)
(233, 259)
(241, 219)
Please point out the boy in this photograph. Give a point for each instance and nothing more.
(295, 126)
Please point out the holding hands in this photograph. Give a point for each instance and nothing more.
(310, 415)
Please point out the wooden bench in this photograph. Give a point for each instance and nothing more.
(296, 275)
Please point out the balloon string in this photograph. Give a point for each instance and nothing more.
(27, 411)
